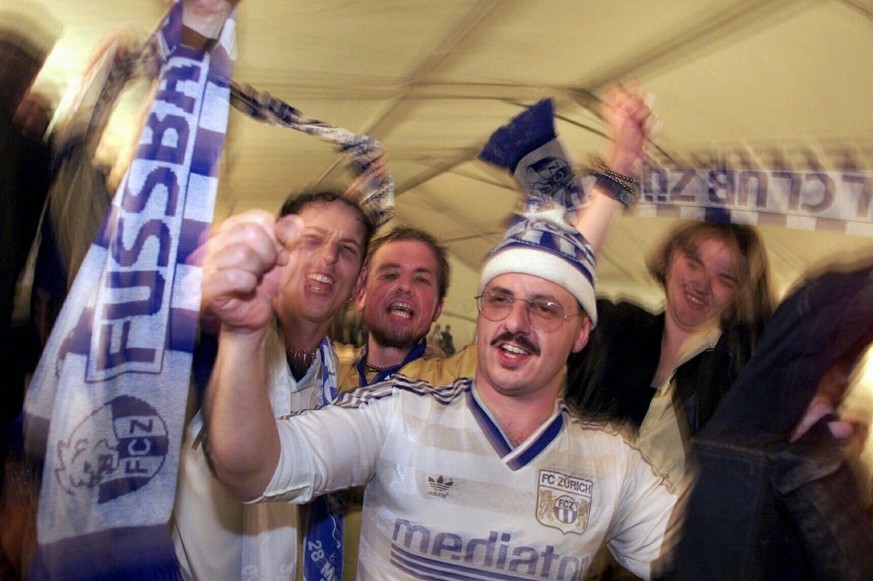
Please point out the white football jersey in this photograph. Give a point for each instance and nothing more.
(215, 536)
(447, 495)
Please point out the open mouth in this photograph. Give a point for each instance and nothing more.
(401, 311)
(514, 347)
(513, 351)
(319, 283)
(695, 299)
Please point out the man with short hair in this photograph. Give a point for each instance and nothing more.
(488, 474)
(406, 278)
(215, 536)
(628, 117)
(399, 272)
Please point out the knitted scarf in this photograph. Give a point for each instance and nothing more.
(377, 199)
(322, 540)
(107, 402)
(802, 198)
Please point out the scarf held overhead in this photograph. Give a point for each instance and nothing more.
(322, 539)
(377, 198)
(106, 404)
(809, 198)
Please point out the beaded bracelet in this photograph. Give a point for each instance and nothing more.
(608, 184)
(619, 186)
(601, 167)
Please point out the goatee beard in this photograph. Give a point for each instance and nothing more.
(396, 340)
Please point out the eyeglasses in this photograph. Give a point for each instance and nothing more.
(544, 314)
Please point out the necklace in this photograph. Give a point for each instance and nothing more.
(372, 368)
(299, 360)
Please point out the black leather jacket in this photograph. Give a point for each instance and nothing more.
(611, 378)
(765, 509)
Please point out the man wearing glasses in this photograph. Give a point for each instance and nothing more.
(486, 476)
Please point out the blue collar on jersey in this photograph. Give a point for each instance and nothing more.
(414, 354)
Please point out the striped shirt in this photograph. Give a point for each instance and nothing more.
(448, 496)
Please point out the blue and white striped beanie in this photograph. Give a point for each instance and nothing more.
(543, 244)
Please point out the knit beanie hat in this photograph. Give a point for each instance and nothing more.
(543, 244)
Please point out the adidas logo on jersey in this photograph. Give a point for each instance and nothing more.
(440, 486)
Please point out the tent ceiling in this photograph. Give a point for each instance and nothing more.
(432, 80)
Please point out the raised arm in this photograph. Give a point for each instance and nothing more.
(628, 117)
(206, 17)
(246, 264)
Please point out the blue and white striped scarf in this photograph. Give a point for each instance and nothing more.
(106, 406)
(377, 198)
(803, 198)
(322, 540)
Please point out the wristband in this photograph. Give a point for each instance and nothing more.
(615, 189)
(625, 180)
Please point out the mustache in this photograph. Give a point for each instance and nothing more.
(518, 338)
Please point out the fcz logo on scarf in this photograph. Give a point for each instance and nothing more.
(548, 175)
(116, 450)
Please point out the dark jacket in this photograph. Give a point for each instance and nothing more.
(765, 509)
(612, 377)
(24, 183)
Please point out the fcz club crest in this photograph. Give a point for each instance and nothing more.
(116, 450)
(548, 175)
(563, 501)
